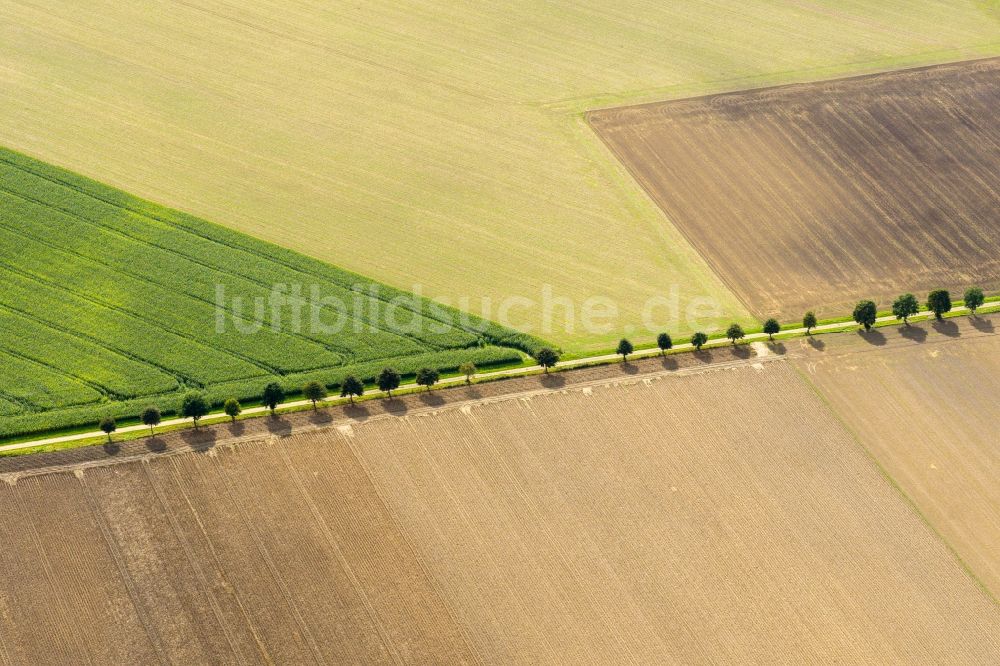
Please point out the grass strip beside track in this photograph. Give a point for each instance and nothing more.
(127, 432)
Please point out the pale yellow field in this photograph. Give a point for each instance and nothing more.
(929, 413)
(433, 143)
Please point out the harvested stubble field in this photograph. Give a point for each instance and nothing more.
(443, 138)
(109, 302)
(926, 407)
(723, 515)
(813, 196)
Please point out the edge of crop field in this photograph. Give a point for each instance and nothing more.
(482, 341)
(897, 486)
(855, 69)
(79, 436)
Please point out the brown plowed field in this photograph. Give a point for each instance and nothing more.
(813, 196)
(244, 555)
(927, 408)
(717, 517)
(720, 514)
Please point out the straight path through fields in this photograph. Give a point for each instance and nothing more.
(215, 417)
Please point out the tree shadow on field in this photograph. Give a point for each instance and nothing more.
(873, 337)
(915, 333)
(947, 327)
(156, 445)
(982, 325)
(473, 393)
(199, 440)
(236, 428)
(278, 426)
(741, 351)
(553, 381)
(703, 355)
(816, 343)
(357, 412)
(111, 448)
(669, 363)
(431, 399)
(395, 406)
(629, 368)
(778, 348)
(320, 416)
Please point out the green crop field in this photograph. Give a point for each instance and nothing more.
(108, 302)
(446, 139)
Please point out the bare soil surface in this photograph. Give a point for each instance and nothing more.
(716, 517)
(699, 512)
(924, 403)
(813, 196)
(247, 555)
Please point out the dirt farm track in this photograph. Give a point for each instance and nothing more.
(707, 509)
(813, 196)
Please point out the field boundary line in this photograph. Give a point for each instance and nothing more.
(419, 412)
(647, 190)
(787, 124)
(602, 359)
(583, 105)
(198, 262)
(138, 276)
(895, 484)
(254, 252)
